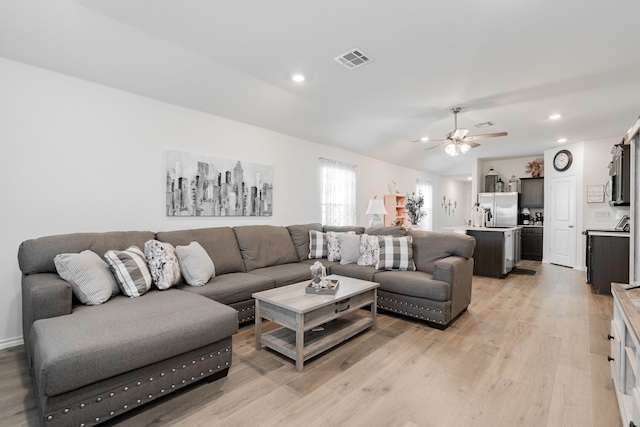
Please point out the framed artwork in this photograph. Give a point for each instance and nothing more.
(198, 185)
(595, 193)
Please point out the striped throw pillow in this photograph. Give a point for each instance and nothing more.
(395, 253)
(131, 271)
(89, 276)
(317, 244)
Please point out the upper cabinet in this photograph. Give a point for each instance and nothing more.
(395, 206)
(532, 191)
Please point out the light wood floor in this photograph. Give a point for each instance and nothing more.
(530, 351)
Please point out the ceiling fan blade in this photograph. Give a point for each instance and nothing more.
(437, 146)
(487, 135)
(470, 143)
(459, 133)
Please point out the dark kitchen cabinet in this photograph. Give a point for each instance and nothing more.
(532, 243)
(607, 260)
(532, 192)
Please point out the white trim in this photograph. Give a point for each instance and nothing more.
(11, 342)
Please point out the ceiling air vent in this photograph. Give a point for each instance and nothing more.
(484, 124)
(353, 59)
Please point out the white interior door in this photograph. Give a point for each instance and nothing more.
(563, 220)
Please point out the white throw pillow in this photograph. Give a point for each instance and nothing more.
(349, 248)
(91, 281)
(195, 264)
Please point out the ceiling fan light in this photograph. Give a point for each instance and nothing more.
(464, 148)
(451, 150)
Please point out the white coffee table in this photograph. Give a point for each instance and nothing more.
(313, 323)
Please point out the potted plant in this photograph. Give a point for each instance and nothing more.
(414, 205)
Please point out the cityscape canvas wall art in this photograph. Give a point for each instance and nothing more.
(209, 186)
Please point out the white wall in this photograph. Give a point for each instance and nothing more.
(78, 157)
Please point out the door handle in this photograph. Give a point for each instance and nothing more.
(571, 226)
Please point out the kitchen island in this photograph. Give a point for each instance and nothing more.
(497, 249)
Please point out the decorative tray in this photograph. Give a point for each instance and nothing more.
(330, 289)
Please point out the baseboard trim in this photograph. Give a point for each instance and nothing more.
(11, 342)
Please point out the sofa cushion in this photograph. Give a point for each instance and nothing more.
(36, 255)
(396, 231)
(98, 342)
(265, 245)
(413, 283)
(163, 264)
(395, 253)
(130, 270)
(318, 245)
(232, 288)
(89, 276)
(219, 242)
(195, 264)
(343, 228)
(354, 270)
(286, 274)
(349, 248)
(300, 235)
(430, 247)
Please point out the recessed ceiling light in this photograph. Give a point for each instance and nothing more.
(424, 139)
(561, 140)
(298, 78)
(555, 116)
(470, 178)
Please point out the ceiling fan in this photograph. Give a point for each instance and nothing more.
(457, 142)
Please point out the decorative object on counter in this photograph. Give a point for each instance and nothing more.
(513, 184)
(535, 167)
(414, 205)
(595, 193)
(376, 208)
(499, 186)
(478, 215)
(447, 206)
(490, 180)
(526, 216)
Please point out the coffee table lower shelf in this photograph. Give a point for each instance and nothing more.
(283, 340)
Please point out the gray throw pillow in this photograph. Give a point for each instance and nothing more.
(349, 248)
(130, 270)
(91, 281)
(195, 264)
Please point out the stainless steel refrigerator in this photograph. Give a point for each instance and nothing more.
(501, 208)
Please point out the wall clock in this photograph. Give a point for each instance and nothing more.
(562, 160)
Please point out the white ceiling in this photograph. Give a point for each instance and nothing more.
(512, 62)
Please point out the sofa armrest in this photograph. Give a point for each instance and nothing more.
(44, 295)
(458, 272)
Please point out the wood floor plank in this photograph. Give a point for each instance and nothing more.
(529, 351)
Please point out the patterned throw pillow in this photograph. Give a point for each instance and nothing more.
(195, 264)
(333, 244)
(91, 281)
(163, 264)
(131, 271)
(369, 250)
(317, 244)
(395, 253)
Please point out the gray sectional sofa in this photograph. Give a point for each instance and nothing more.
(91, 363)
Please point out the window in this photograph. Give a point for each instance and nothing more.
(426, 189)
(338, 193)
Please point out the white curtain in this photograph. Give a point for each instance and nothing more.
(426, 188)
(338, 193)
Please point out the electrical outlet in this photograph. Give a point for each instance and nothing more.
(601, 214)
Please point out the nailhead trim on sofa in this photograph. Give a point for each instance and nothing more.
(99, 408)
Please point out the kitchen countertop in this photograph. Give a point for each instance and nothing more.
(462, 229)
(612, 233)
